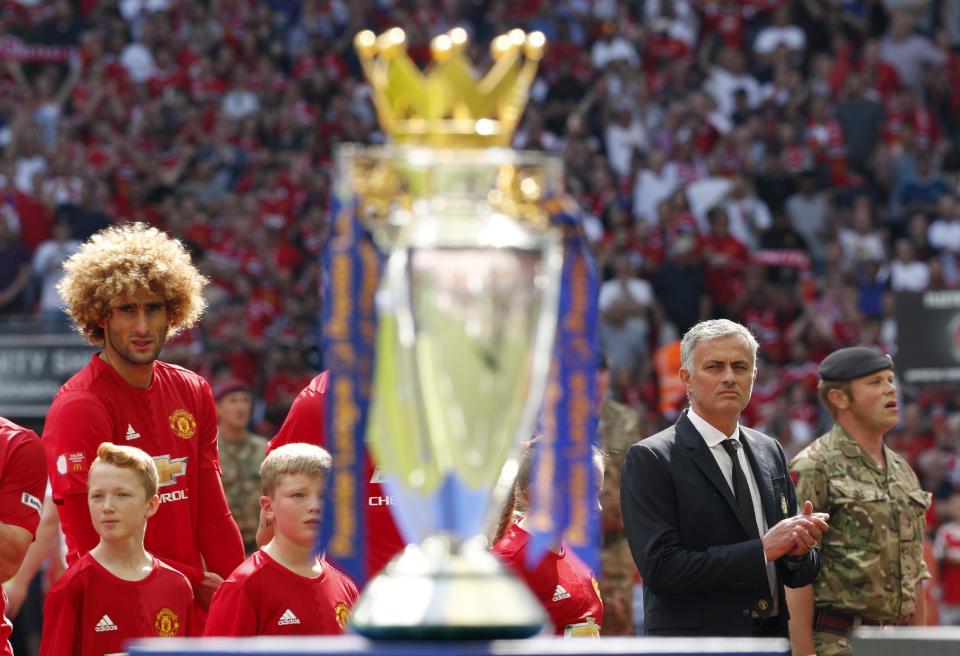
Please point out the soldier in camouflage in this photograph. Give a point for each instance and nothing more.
(241, 453)
(620, 427)
(872, 566)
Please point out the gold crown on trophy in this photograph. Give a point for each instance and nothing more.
(448, 106)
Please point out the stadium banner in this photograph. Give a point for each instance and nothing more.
(13, 49)
(32, 369)
(928, 336)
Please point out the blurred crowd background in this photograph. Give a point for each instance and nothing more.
(789, 165)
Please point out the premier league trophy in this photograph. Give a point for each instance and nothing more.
(466, 315)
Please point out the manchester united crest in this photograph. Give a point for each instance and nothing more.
(183, 424)
(166, 623)
(342, 613)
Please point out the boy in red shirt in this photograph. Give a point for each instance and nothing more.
(285, 588)
(116, 591)
(307, 422)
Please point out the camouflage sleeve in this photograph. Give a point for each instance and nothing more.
(917, 504)
(810, 481)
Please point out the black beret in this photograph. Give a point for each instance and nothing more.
(853, 362)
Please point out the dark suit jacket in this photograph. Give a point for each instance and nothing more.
(702, 574)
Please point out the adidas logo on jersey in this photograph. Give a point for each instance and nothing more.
(560, 593)
(131, 433)
(105, 624)
(288, 618)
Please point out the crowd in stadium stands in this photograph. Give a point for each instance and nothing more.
(788, 165)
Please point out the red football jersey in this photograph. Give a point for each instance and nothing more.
(175, 421)
(562, 582)
(89, 611)
(262, 597)
(307, 422)
(947, 543)
(23, 477)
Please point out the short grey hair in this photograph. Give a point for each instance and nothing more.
(706, 331)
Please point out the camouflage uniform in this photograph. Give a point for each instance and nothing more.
(240, 461)
(872, 556)
(619, 428)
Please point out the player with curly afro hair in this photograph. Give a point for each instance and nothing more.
(127, 289)
(127, 260)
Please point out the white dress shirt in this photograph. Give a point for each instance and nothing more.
(714, 439)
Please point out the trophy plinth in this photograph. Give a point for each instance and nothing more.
(438, 590)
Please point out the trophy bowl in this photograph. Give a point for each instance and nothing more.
(467, 311)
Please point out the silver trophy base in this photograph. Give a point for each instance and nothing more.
(439, 591)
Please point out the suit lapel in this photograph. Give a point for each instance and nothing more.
(763, 471)
(704, 460)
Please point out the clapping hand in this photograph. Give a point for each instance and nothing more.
(795, 536)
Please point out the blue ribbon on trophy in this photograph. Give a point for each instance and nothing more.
(563, 460)
(352, 268)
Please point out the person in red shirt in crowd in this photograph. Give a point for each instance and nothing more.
(824, 136)
(914, 436)
(662, 47)
(725, 20)
(726, 259)
(646, 247)
(307, 422)
(561, 581)
(767, 387)
(286, 382)
(23, 476)
(881, 78)
(904, 113)
(285, 588)
(128, 288)
(758, 308)
(801, 368)
(117, 591)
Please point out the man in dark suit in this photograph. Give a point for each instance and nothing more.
(709, 510)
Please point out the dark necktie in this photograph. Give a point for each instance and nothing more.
(741, 490)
